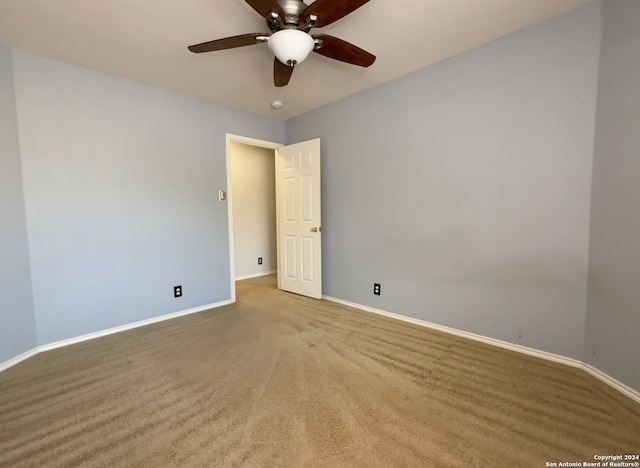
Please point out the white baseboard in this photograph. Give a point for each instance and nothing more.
(110, 331)
(616, 384)
(622, 388)
(606, 378)
(18, 359)
(256, 275)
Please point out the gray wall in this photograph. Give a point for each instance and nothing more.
(614, 276)
(464, 189)
(121, 183)
(17, 326)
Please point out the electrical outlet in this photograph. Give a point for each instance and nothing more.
(520, 333)
(177, 291)
(259, 260)
(376, 289)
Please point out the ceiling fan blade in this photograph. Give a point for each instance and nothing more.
(228, 43)
(281, 73)
(329, 11)
(264, 7)
(338, 49)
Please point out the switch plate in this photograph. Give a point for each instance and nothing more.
(222, 195)
(177, 291)
(376, 289)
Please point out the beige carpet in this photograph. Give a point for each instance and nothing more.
(280, 380)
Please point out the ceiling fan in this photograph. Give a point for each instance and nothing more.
(289, 22)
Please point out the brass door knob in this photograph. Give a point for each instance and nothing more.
(316, 229)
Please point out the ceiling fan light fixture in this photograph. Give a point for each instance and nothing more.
(290, 41)
(291, 46)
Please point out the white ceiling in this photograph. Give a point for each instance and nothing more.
(146, 40)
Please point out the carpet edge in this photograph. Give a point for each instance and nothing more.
(109, 331)
(595, 372)
(18, 359)
(255, 275)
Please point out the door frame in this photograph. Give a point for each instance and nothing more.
(252, 142)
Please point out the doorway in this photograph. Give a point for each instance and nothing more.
(254, 210)
(251, 199)
(275, 185)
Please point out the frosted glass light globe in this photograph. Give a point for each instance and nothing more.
(291, 46)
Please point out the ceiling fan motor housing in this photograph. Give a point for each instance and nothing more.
(293, 9)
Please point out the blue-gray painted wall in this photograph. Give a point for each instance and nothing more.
(17, 324)
(464, 188)
(613, 320)
(121, 191)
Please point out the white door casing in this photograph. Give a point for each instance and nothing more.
(299, 223)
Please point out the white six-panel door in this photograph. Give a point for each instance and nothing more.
(299, 227)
